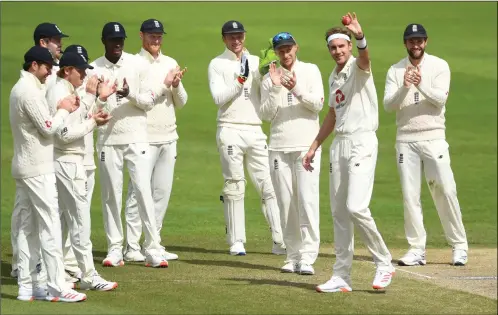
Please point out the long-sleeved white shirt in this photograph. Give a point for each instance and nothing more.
(161, 119)
(69, 142)
(33, 128)
(129, 119)
(293, 114)
(238, 103)
(419, 109)
(354, 98)
(88, 159)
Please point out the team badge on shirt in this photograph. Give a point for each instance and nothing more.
(340, 99)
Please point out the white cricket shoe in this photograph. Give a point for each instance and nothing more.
(383, 278)
(167, 255)
(98, 284)
(25, 294)
(14, 273)
(306, 269)
(290, 267)
(412, 258)
(134, 255)
(114, 259)
(237, 249)
(279, 249)
(335, 284)
(155, 261)
(68, 296)
(459, 257)
(40, 292)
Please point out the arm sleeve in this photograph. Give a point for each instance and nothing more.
(312, 99)
(38, 112)
(180, 96)
(270, 100)
(221, 92)
(393, 93)
(436, 92)
(87, 101)
(143, 94)
(70, 133)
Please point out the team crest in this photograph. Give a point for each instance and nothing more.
(234, 25)
(414, 28)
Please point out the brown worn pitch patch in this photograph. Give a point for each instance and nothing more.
(482, 263)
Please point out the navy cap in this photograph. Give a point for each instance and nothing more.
(70, 59)
(231, 27)
(47, 30)
(152, 26)
(113, 30)
(39, 54)
(414, 30)
(77, 49)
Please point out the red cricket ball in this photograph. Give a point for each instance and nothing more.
(346, 20)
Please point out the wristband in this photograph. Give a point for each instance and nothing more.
(361, 43)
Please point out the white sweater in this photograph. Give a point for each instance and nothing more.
(419, 109)
(293, 114)
(32, 128)
(161, 119)
(238, 103)
(129, 119)
(69, 142)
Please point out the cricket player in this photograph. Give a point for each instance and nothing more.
(47, 35)
(353, 116)
(234, 83)
(291, 99)
(33, 128)
(417, 89)
(73, 272)
(124, 139)
(69, 152)
(162, 136)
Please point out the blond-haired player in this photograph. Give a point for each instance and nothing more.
(353, 116)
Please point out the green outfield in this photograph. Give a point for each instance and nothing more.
(206, 279)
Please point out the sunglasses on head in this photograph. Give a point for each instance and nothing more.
(281, 36)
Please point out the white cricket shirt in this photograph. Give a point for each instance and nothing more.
(69, 141)
(129, 118)
(32, 128)
(161, 119)
(238, 103)
(419, 110)
(293, 114)
(354, 98)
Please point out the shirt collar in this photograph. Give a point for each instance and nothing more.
(149, 57)
(230, 55)
(346, 67)
(109, 64)
(28, 75)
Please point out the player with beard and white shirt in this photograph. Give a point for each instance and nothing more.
(124, 140)
(417, 90)
(234, 83)
(354, 117)
(162, 136)
(46, 35)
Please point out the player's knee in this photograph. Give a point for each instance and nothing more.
(234, 189)
(267, 190)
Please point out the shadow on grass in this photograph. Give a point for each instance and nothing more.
(229, 263)
(285, 283)
(6, 278)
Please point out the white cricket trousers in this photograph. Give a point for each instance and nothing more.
(111, 160)
(39, 228)
(238, 148)
(163, 158)
(70, 262)
(352, 170)
(74, 211)
(298, 197)
(433, 158)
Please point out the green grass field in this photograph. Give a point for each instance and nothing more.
(206, 279)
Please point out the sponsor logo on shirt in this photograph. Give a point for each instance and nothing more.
(340, 99)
